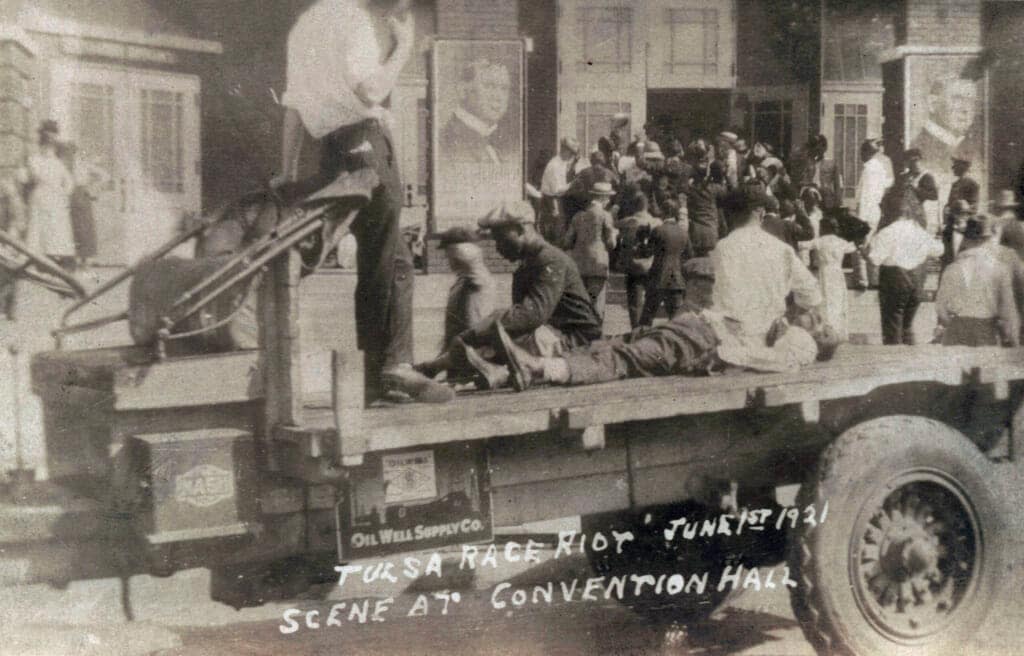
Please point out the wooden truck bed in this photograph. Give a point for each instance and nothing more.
(132, 382)
(855, 370)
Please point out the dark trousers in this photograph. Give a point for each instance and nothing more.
(384, 284)
(898, 300)
(672, 298)
(636, 289)
(683, 346)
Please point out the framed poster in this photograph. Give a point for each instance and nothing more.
(477, 132)
(946, 118)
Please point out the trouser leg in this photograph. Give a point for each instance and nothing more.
(673, 299)
(384, 285)
(661, 351)
(652, 301)
(895, 294)
(596, 286)
(635, 296)
(909, 312)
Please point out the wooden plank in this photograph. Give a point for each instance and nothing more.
(189, 382)
(536, 458)
(550, 499)
(279, 340)
(348, 401)
(478, 416)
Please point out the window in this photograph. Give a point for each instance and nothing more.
(607, 36)
(594, 120)
(851, 129)
(772, 123)
(163, 166)
(693, 41)
(92, 121)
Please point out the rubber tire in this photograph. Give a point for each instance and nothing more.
(848, 473)
(651, 557)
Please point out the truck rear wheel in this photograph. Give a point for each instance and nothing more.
(911, 554)
(650, 554)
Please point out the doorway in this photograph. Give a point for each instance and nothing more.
(138, 134)
(687, 114)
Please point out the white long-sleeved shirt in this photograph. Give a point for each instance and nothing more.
(875, 178)
(754, 273)
(332, 50)
(976, 285)
(904, 244)
(555, 180)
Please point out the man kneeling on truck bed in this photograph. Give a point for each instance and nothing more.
(551, 311)
(700, 339)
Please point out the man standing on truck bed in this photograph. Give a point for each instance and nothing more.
(551, 310)
(344, 59)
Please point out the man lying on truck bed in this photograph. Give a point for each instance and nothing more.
(740, 324)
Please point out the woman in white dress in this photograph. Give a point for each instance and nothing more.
(50, 184)
(831, 249)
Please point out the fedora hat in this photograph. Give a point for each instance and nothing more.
(570, 144)
(1006, 199)
(653, 151)
(602, 189)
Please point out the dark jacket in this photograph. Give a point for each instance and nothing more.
(791, 232)
(670, 245)
(547, 289)
(702, 197)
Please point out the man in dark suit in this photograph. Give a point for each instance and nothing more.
(923, 184)
(962, 202)
(670, 245)
(812, 169)
(468, 134)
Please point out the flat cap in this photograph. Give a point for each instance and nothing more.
(728, 136)
(699, 267)
(517, 212)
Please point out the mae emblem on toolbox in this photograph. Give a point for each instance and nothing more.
(204, 486)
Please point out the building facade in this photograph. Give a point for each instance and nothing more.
(178, 103)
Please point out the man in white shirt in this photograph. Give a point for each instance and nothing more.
(553, 185)
(755, 271)
(344, 59)
(875, 179)
(900, 251)
(975, 303)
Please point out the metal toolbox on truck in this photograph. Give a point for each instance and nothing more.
(195, 484)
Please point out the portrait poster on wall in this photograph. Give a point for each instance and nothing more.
(477, 133)
(947, 117)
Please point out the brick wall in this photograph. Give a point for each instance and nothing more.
(478, 19)
(942, 22)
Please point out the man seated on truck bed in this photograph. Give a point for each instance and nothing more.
(551, 311)
(697, 341)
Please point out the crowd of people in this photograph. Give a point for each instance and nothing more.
(730, 241)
